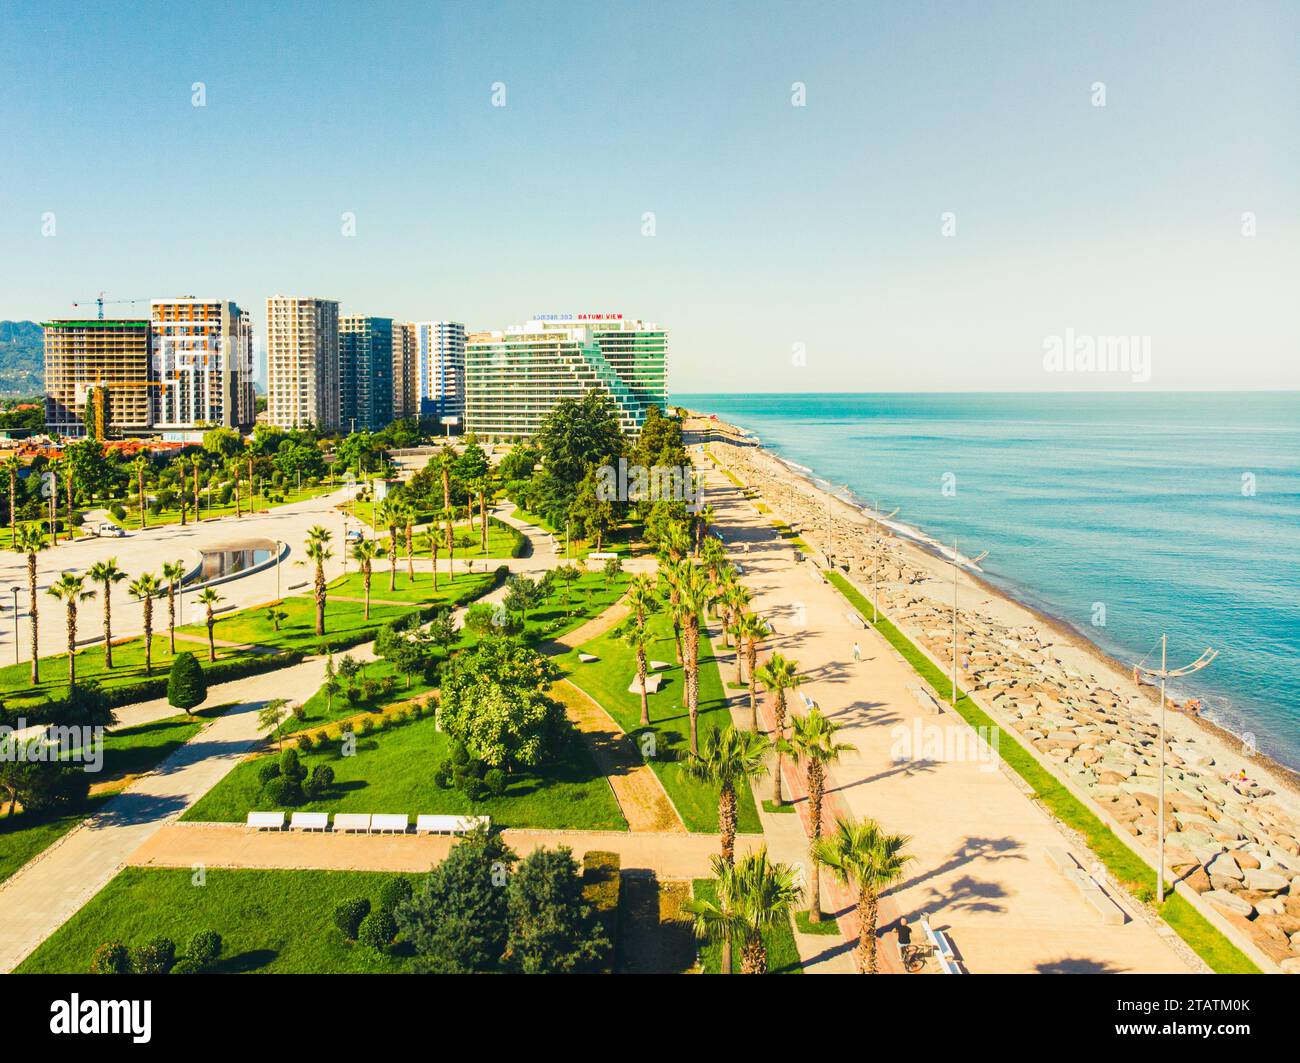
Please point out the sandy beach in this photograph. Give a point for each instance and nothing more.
(1231, 814)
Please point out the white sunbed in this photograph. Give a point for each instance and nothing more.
(383, 823)
(351, 821)
(309, 821)
(265, 821)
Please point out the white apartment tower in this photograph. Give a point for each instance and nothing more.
(203, 360)
(302, 362)
(440, 370)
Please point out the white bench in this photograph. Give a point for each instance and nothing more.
(265, 821)
(942, 948)
(351, 821)
(429, 824)
(1110, 913)
(382, 823)
(808, 702)
(309, 821)
(601, 555)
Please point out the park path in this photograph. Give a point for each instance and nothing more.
(980, 869)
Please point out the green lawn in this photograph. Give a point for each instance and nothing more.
(19, 694)
(782, 953)
(392, 771)
(318, 711)
(270, 922)
(564, 610)
(607, 680)
(1127, 866)
(24, 836)
(418, 591)
(131, 522)
(618, 541)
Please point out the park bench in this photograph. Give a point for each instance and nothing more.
(309, 821)
(1110, 913)
(429, 824)
(942, 949)
(351, 821)
(383, 823)
(265, 821)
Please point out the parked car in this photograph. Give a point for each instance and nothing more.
(354, 535)
(110, 531)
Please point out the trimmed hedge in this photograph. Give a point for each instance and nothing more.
(601, 888)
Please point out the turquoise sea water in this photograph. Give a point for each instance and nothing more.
(1178, 512)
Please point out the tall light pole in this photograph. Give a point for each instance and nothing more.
(345, 543)
(279, 549)
(15, 589)
(955, 566)
(875, 555)
(1164, 673)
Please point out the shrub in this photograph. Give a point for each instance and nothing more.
(290, 768)
(186, 966)
(364, 727)
(322, 778)
(269, 770)
(394, 892)
(600, 889)
(205, 947)
(495, 780)
(282, 791)
(442, 775)
(186, 685)
(349, 914)
(377, 930)
(111, 958)
(306, 743)
(155, 957)
(118, 511)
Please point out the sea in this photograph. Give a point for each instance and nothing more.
(1126, 515)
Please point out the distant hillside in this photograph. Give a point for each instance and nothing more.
(22, 358)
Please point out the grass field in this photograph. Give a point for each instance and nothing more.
(392, 771)
(607, 679)
(417, 591)
(131, 522)
(270, 922)
(1215, 949)
(782, 953)
(24, 836)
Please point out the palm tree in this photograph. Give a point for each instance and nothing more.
(209, 599)
(145, 588)
(703, 521)
(138, 467)
(364, 553)
(318, 552)
(676, 542)
(671, 576)
(749, 629)
(433, 555)
(713, 557)
(70, 589)
(637, 638)
(107, 573)
(728, 759)
(642, 596)
(694, 594)
(173, 572)
(233, 469)
(812, 743)
(12, 466)
(408, 523)
(734, 600)
(449, 515)
(753, 896)
(31, 541)
(862, 854)
(778, 675)
(194, 468)
(444, 463)
(483, 483)
(390, 516)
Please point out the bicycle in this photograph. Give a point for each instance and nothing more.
(915, 957)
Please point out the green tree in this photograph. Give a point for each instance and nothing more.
(364, 552)
(173, 572)
(552, 928)
(389, 515)
(778, 675)
(11, 466)
(318, 552)
(144, 588)
(209, 599)
(694, 594)
(187, 687)
(863, 855)
(139, 467)
(271, 715)
(71, 590)
(753, 896)
(637, 638)
(106, 573)
(750, 629)
(812, 743)
(728, 759)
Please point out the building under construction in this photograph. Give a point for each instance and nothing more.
(99, 377)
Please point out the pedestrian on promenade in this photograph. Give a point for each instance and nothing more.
(857, 652)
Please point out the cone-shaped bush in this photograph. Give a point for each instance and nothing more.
(186, 687)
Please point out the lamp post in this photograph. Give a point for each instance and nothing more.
(15, 589)
(279, 549)
(875, 555)
(345, 544)
(1165, 673)
(956, 564)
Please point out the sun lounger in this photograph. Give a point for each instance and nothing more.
(309, 821)
(265, 821)
(351, 821)
(384, 823)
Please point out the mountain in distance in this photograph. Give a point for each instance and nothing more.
(22, 358)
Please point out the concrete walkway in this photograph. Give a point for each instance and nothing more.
(980, 870)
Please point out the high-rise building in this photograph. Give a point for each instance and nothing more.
(405, 404)
(98, 374)
(514, 378)
(203, 359)
(365, 372)
(440, 370)
(302, 362)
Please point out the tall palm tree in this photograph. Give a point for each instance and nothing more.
(863, 855)
(69, 483)
(433, 555)
(408, 531)
(173, 572)
(444, 463)
(210, 599)
(734, 599)
(364, 552)
(449, 515)
(31, 541)
(145, 588)
(71, 590)
(778, 675)
(753, 896)
(694, 593)
(703, 521)
(812, 744)
(728, 759)
(642, 596)
(638, 638)
(138, 467)
(195, 462)
(107, 573)
(318, 552)
(390, 516)
(675, 543)
(750, 629)
(11, 466)
(232, 467)
(713, 556)
(671, 575)
(483, 484)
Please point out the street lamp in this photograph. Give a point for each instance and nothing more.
(1165, 673)
(955, 565)
(345, 544)
(875, 555)
(279, 549)
(15, 589)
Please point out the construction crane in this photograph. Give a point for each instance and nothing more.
(100, 301)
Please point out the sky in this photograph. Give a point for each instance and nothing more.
(809, 197)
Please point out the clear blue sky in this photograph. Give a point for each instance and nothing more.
(775, 225)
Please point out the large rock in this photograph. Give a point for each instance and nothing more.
(1229, 902)
(1225, 866)
(1265, 881)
